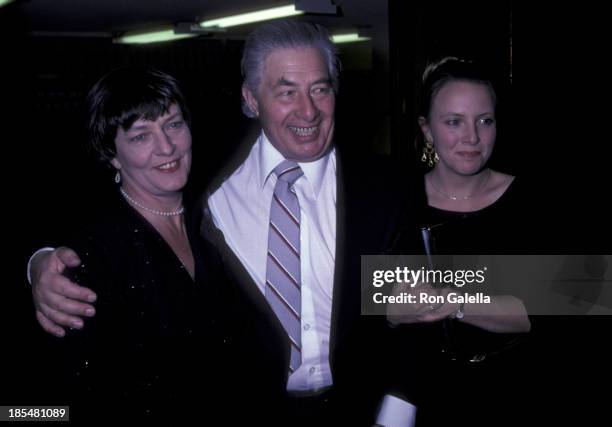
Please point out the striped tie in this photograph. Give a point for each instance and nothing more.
(283, 264)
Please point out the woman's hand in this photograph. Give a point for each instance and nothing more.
(430, 304)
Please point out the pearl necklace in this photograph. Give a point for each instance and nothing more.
(153, 211)
(455, 198)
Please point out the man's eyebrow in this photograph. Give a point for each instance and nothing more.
(284, 82)
(325, 80)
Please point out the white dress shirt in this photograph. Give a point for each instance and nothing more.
(241, 210)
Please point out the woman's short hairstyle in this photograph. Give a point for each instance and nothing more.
(125, 95)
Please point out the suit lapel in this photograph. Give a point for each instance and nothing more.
(367, 214)
(244, 282)
(339, 257)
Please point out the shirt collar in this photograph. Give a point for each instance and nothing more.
(269, 157)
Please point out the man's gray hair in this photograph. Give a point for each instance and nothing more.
(284, 34)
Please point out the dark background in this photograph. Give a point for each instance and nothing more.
(548, 135)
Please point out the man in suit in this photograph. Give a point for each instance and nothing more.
(292, 221)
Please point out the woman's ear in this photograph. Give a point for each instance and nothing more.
(425, 129)
(116, 164)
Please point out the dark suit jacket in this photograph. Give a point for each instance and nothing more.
(369, 203)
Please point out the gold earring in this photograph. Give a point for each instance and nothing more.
(117, 178)
(429, 156)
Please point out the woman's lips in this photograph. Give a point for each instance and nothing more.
(169, 167)
(469, 154)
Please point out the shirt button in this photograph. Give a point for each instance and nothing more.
(312, 370)
(306, 326)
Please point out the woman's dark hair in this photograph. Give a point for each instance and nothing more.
(125, 95)
(446, 70)
(437, 75)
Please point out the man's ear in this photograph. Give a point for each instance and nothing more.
(250, 100)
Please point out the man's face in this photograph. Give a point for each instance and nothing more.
(295, 103)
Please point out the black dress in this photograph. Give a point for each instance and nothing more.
(467, 376)
(160, 343)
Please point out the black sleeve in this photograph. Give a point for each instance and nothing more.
(92, 365)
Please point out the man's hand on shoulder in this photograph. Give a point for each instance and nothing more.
(59, 302)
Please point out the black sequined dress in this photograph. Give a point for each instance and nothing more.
(158, 342)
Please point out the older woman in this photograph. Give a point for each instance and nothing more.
(167, 318)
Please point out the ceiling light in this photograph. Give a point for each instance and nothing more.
(247, 18)
(348, 38)
(321, 7)
(151, 37)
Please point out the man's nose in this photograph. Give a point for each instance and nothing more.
(307, 108)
